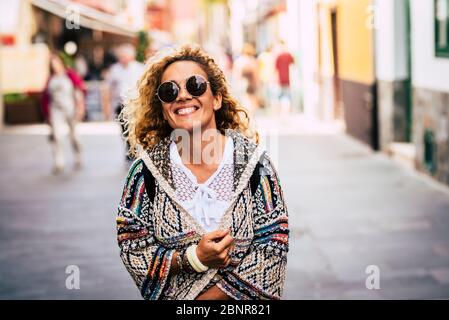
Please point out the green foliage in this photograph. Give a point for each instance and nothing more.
(67, 59)
(12, 98)
(142, 45)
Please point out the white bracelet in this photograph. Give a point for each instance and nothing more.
(194, 260)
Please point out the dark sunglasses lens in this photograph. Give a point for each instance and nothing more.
(196, 85)
(168, 92)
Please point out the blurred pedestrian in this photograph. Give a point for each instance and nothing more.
(266, 72)
(81, 66)
(63, 99)
(283, 62)
(246, 68)
(122, 78)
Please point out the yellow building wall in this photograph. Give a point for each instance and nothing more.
(355, 41)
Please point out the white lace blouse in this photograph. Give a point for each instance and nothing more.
(208, 201)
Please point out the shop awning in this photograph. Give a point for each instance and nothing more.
(86, 17)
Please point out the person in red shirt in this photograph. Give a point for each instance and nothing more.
(283, 61)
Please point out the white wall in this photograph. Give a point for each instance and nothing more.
(9, 14)
(292, 25)
(391, 40)
(308, 54)
(429, 72)
(136, 9)
(236, 22)
(400, 38)
(384, 40)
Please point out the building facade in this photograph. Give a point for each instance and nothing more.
(412, 68)
(383, 66)
(393, 71)
(430, 80)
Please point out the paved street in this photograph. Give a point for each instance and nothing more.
(349, 208)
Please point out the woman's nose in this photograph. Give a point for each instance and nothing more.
(183, 94)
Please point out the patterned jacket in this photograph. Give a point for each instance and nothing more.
(151, 225)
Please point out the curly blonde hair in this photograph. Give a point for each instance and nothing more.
(142, 113)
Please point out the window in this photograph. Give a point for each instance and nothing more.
(442, 28)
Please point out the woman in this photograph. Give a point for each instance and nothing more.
(61, 101)
(202, 214)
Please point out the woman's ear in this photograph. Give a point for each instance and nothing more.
(217, 101)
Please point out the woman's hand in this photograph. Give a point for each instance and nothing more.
(213, 249)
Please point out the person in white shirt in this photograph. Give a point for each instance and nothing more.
(63, 98)
(122, 79)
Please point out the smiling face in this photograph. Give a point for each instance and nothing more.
(187, 111)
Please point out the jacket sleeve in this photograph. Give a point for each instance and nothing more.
(146, 261)
(261, 273)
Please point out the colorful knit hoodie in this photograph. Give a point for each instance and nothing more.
(151, 225)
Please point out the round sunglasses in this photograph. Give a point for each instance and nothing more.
(195, 85)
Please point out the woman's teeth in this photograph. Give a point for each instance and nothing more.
(185, 111)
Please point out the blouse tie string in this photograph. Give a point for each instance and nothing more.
(203, 201)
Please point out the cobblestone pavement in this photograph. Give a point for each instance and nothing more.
(349, 208)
